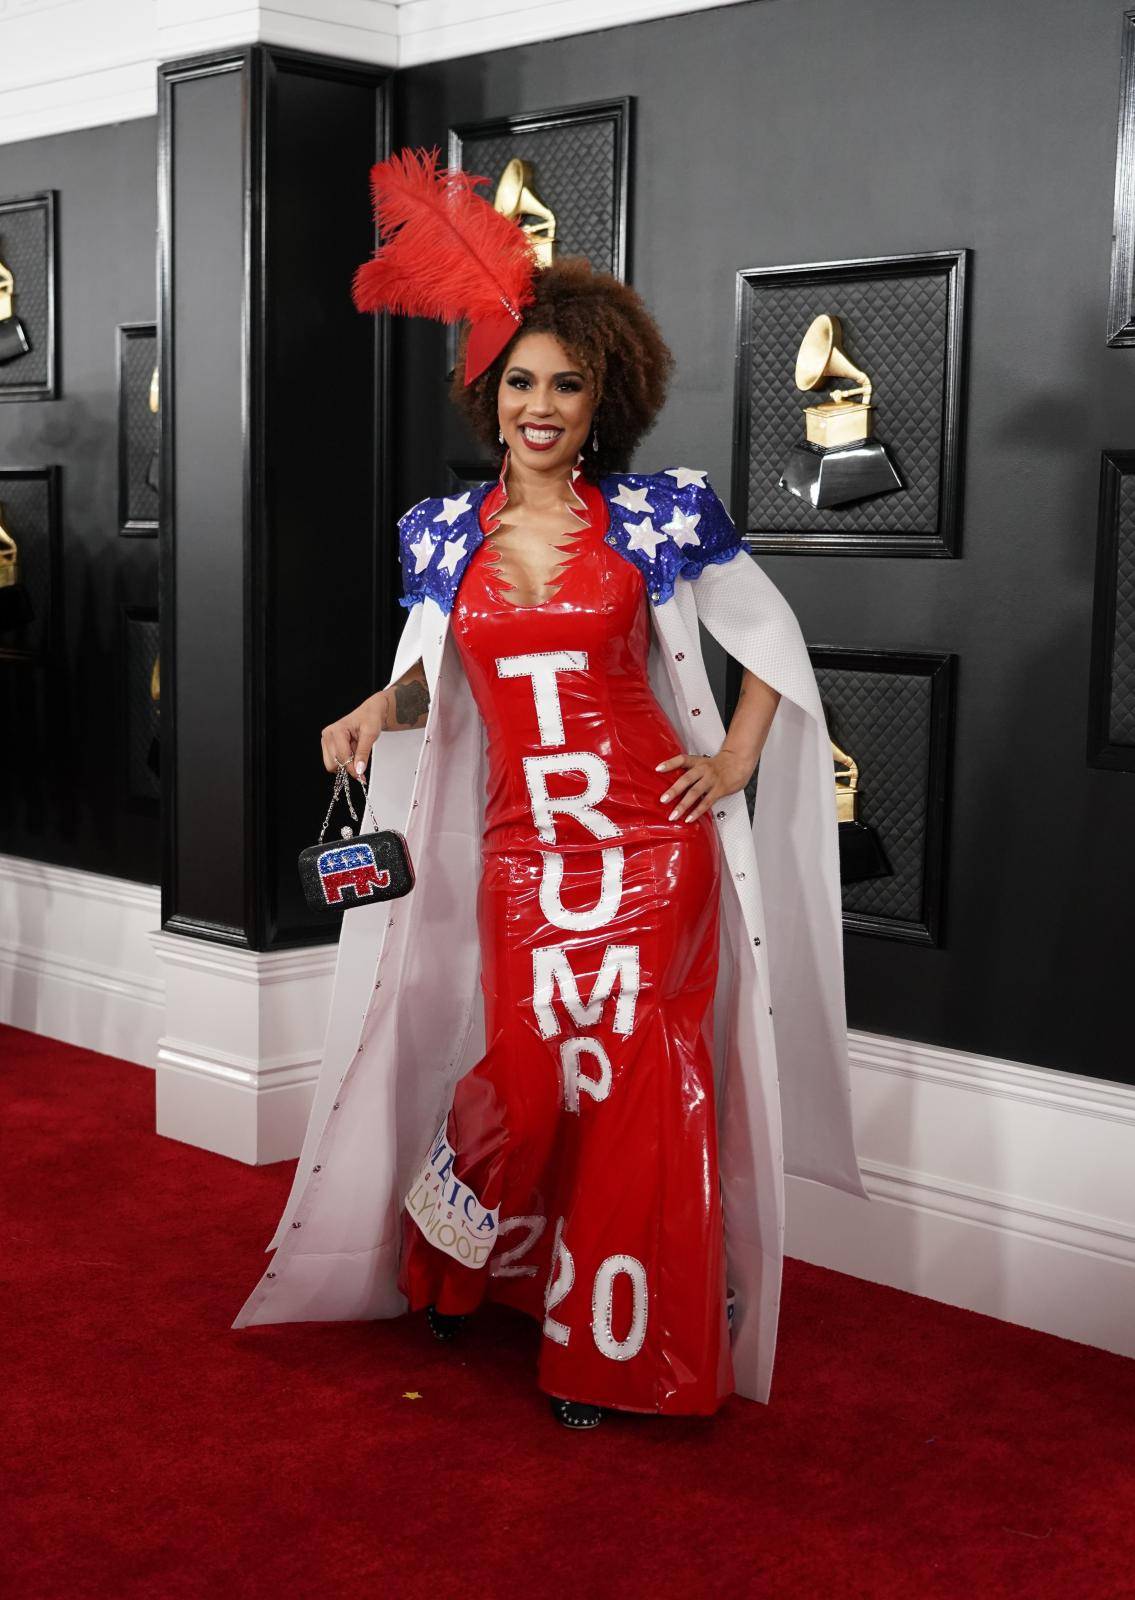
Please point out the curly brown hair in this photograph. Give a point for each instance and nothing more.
(610, 333)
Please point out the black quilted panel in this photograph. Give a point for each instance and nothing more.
(23, 250)
(883, 720)
(1121, 712)
(573, 173)
(25, 515)
(139, 426)
(895, 328)
(142, 715)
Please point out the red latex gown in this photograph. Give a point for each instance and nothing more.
(576, 1176)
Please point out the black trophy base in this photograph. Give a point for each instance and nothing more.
(16, 609)
(14, 341)
(835, 477)
(860, 854)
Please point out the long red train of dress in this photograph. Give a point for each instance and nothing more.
(576, 1175)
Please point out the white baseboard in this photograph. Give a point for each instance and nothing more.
(996, 1186)
(75, 958)
(241, 1045)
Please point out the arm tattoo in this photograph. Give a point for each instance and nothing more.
(411, 702)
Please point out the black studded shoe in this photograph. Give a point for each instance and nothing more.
(443, 1326)
(576, 1413)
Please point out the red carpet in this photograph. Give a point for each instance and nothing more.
(910, 1449)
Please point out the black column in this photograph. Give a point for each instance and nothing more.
(276, 572)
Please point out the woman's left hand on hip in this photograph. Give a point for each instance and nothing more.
(703, 780)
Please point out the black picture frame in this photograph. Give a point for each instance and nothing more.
(772, 310)
(139, 641)
(940, 671)
(28, 228)
(1121, 298)
(1111, 692)
(35, 527)
(567, 122)
(139, 432)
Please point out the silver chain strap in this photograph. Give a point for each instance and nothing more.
(342, 786)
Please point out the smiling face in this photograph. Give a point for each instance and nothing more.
(545, 404)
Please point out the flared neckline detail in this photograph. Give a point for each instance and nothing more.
(492, 559)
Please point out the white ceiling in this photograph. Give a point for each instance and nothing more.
(68, 64)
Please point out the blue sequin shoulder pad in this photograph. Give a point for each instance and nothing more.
(436, 539)
(668, 524)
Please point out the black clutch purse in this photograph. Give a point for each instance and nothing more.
(362, 868)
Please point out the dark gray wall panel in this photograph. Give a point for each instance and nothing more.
(829, 139)
(323, 425)
(790, 131)
(64, 769)
(207, 495)
(1121, 723)
(274, 463)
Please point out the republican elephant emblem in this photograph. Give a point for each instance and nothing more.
(352, 867)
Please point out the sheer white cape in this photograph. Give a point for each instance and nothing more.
(406, 1019)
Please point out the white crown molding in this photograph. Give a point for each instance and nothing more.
(438, 30)
(89, 99)
(71, 64)
(360, 30)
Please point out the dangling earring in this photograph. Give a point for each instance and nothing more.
(595, 440)
(500, 436)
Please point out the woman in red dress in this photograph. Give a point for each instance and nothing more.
(575, 1176)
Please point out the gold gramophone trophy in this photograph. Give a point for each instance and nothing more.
(516, 198)
(154, 752)
(14, 340)
(15, 602)
(154, 403)
(840, 461)
(860, 852)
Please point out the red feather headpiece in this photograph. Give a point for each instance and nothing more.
(446, 254)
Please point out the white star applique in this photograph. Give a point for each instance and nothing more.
(681, 526)
(684, 476)
(423, 551)
(644, 536)
(452, 509)
(454, 552)
(632, 499)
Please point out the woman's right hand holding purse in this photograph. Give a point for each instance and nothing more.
(404, 704)
(349, 741)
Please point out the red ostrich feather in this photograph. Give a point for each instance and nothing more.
(446, 253)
